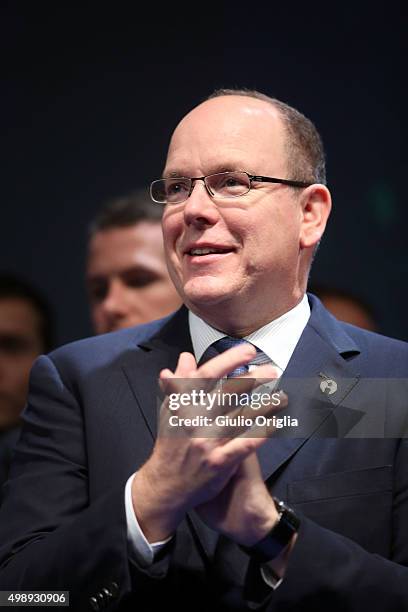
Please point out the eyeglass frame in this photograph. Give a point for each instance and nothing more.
(252, 177)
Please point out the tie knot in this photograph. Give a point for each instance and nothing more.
(223, 344)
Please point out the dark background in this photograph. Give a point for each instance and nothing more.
(91, 92)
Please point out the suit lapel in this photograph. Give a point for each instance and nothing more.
(321, 355)
(143, 366)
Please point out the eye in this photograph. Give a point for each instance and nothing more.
(139, 278)
(176, 187)
(230, 183)
(14, 344)
(233, 180)
(97, 291)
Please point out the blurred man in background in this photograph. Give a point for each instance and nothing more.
(25, 333)
(126, 273)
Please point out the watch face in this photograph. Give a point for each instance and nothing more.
(280, 505)
(288, 515)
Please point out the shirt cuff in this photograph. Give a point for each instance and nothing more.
(270, 577)
(140, 549)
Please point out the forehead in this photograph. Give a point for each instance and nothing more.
(229, 132)
(116, 248)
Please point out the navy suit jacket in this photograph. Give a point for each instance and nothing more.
(91, 422)
(8, 440)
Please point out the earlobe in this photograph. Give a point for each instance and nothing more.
(316, 206)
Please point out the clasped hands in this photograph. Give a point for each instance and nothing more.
(218, 475)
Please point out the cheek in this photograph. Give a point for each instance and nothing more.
(153, 296)
(173, 227)
(170, 252)
(253, 239)
(173, 261)
(19, 374)
(97, 313)
(268, 246)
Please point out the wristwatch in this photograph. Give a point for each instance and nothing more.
(279, 536)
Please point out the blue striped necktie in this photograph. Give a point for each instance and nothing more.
(218, 347)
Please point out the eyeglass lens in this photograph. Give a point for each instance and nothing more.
(223, 184)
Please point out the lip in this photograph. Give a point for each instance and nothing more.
(205, 260)
(226, 248)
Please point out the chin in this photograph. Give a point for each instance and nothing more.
(200, 291)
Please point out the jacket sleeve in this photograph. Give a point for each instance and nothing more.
(51, 537)
(328, 571)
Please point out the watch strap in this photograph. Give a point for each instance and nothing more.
(279, 536)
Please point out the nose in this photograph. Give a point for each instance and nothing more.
(199, 208)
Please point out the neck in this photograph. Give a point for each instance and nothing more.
(240, 323)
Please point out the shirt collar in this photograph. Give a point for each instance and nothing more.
(276, 339)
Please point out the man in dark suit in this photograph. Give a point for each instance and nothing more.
(127, 519)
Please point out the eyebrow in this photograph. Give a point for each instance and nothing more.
(233, 167)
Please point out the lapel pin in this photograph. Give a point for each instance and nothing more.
(328, 386)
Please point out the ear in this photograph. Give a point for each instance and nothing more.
(316, 207)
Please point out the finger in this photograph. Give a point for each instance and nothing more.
(186, 365)
(166, 378)
(235, 451)
(262, 404)
(262, 375)
(234, 392)
(245, 419)
(207, 376)
(214, 369)
(266, 421)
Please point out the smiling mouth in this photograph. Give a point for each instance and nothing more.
(199, 252)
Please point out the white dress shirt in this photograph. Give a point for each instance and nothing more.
(276, 339)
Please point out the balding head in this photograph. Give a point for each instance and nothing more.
(304, 147)
(239, 261)
(244, 126)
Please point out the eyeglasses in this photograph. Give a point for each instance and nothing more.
(221, 185)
